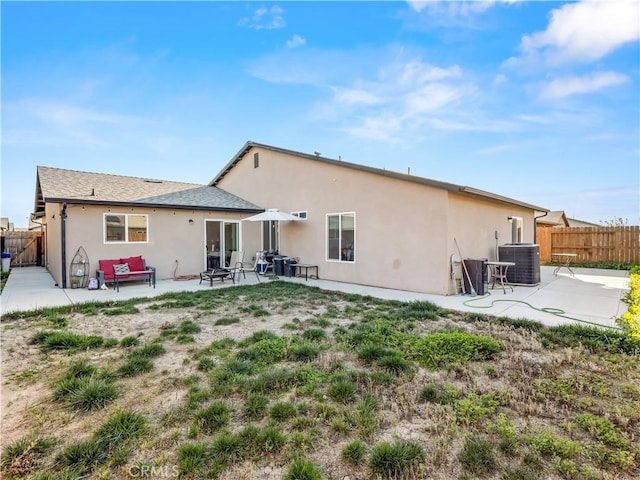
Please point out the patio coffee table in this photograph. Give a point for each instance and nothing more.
(306, 267)
(217, 274)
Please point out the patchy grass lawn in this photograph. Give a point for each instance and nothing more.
(285, 381)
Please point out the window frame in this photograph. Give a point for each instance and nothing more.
(340, 237)
(517, 229)
(126, 216)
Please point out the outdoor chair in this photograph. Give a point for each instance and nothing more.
(244, 267)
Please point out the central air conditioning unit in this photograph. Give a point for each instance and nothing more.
(526, 257)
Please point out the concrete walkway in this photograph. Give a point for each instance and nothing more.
(592, 296)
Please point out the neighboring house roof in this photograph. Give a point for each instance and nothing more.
(377, 171)
(71, 186)
(573, 222)
(556, 218)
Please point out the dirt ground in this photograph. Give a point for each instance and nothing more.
(28, 375)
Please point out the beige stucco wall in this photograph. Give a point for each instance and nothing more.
(404, 231)
(52, 242)
(175, 246)
(474, 221)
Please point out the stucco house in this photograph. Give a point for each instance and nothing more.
(113, 216)
(359, 224)
(371, 226)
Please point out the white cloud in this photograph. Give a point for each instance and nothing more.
(583, 32)
(64, 115)
(500, 79)
(355, 96)
(265, 19)
(574, 85)
(296, 41)
(495, 149)
(455, 8)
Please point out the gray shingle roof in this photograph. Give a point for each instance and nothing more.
(72, 186)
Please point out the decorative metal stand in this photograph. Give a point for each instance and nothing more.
(79, 269)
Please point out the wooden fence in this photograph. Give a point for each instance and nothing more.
(591, 244)
(26, 248)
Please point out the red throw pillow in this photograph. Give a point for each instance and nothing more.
(107, 267)
(135, 263)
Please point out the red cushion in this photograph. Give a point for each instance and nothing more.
(135, 263)
(107, 267)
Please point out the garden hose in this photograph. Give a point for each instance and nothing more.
(558, 312)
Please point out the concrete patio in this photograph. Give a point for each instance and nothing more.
(591, 296)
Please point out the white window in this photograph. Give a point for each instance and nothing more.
(516, 230)
(302, 215)
(341, 236)
(126, 228)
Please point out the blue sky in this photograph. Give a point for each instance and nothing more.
(538, 101)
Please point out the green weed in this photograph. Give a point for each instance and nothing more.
(395, 460)
(355, 452)
(226, 321)
(282, 411)
(449, 348)
(303, 469)
(212, 418)
(54, 340)
(477, 456)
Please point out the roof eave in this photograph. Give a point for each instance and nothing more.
(80, 201)
(451, 187)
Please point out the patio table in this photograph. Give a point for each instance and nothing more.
(564, 259)
(499, 273)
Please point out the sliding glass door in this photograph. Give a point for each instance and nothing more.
(222, 238)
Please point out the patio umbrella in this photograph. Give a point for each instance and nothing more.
(274, 215)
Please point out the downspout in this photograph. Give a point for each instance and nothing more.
(63, 234)
(535, 226)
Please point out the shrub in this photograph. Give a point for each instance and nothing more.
(594, 339)
(394, 460)
(631, 319)
(548, 443)
(265, 352)
(448, 348)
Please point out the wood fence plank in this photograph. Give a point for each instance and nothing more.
(591, 244)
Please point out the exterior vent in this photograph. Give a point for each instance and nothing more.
(526, 257)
